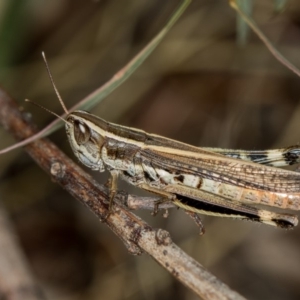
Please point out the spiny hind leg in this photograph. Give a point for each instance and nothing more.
(196, 218)
(170, 197)
(212, 204)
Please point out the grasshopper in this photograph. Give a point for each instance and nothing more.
(210, 181)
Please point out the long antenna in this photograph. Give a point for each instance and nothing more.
(54, 86)
(46, 109)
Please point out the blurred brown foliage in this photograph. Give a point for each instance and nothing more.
(198, 87)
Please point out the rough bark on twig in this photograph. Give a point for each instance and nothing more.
(137, 235)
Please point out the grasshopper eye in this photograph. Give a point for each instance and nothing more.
(81, 133)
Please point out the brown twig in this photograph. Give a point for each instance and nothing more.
(135, 233)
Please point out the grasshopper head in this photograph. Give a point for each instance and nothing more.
(85, 139)
(83, 133)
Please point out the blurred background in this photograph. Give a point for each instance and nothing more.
(203, 85)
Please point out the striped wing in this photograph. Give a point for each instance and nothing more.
(222, 169)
